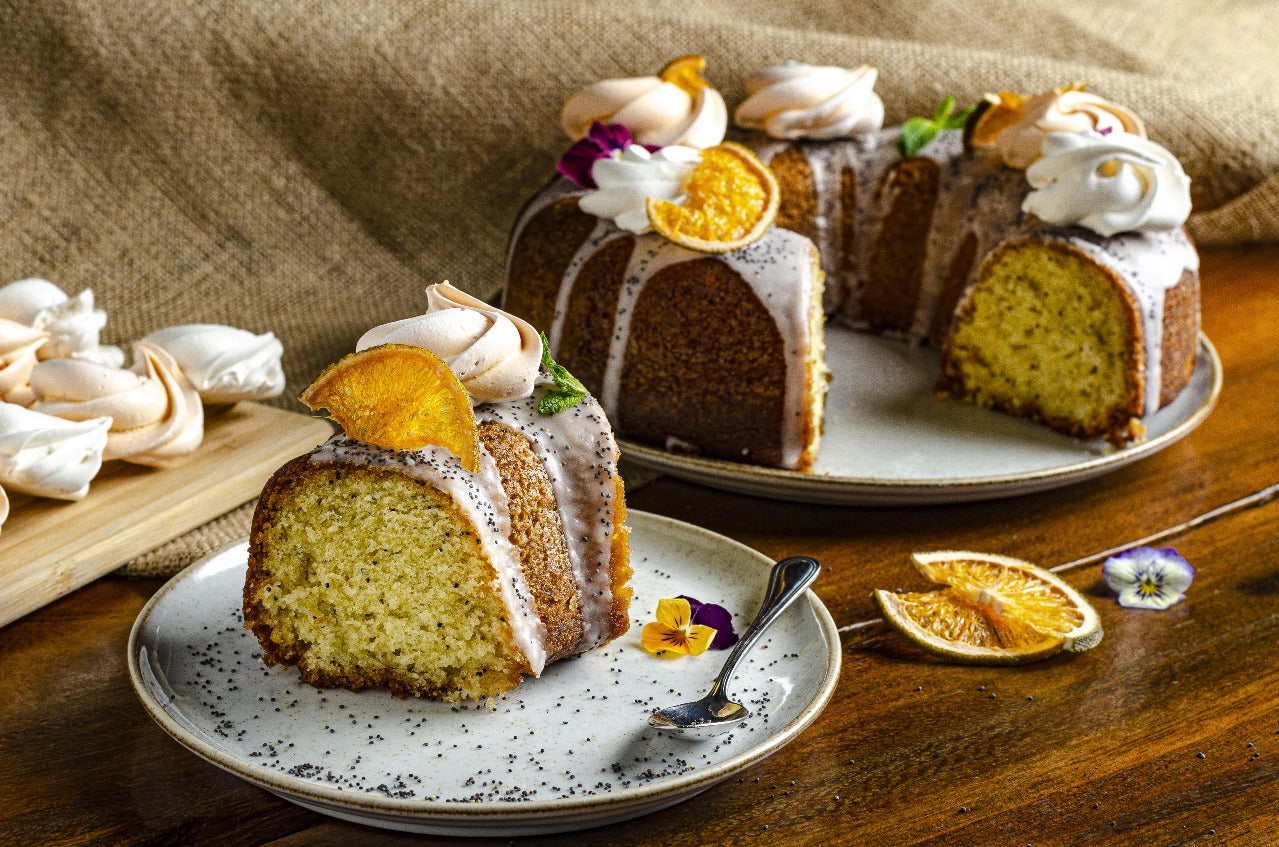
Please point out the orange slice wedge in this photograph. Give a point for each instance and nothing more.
(993, 114)
(686, 74)
(731, 200)
(994, 610)
(399, 397)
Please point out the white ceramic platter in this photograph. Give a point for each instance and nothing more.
(890, 441)
(567, 751)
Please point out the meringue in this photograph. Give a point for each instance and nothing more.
(1060, 110)
(155, 410)
(18, 346)
(495, 355)
(796, 100)
(48, 456)
(73, 323)
(1108, 183)
(656, 112)
(4, 506)
(225, 364)
(625, 181)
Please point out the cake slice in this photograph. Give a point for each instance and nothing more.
(442, 575)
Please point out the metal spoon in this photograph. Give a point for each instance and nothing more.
(716, 713)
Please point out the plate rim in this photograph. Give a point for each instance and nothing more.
(871, 491)
(542, 815)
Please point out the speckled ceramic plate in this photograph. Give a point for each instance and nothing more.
(890, 441)
(567, 751)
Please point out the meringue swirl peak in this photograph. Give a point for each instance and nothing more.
(494, 354)
(156, 413)
(796, 100)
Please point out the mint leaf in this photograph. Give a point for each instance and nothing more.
(917, 132)
(568, 391)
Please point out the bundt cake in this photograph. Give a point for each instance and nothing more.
(1066, 292)
(402, 568)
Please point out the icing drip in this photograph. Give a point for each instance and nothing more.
(483, 500)
(577, 448)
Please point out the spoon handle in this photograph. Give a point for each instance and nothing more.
(788, 579)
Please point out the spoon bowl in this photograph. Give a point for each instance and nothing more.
(717, 713)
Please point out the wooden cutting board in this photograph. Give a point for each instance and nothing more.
(51, 547)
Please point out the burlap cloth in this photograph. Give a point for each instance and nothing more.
(309, 167)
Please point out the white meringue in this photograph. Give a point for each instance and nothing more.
(1108, 183)
(49, 456)
(4, 506)
(494, 354)
(155, 410)
(73, 323)
(1060, 110)
(18, 346)
(796, 100)
(625, 181)
(656, 112)
(225, 364)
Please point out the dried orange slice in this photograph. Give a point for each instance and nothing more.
(995, 610)
(731, 201)
(399, 397)
(993, 114)
(685, 73)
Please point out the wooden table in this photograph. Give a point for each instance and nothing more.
(1167, 733)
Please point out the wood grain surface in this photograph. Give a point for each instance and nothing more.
(1166, 733)
(50, 547)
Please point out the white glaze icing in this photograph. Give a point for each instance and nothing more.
(48, 456)
(577, 448)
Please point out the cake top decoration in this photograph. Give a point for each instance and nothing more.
(797, 100)
(1015, 126)
(495, 354)
(625, 179)
(1112, 183)
(675, 108)
(917, 132)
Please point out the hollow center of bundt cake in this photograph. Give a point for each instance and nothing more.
(1045, 333)
(377, 580)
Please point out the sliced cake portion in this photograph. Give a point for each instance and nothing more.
(448, 567)
(1050, 333)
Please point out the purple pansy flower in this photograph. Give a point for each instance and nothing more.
(717, 618)
(1148, 577)
(601, 142)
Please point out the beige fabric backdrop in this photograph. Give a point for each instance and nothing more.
(309, 167)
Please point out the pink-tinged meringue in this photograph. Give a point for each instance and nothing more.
(156, 414)
(48, 456)
(73, 323)
(656, 111)
(495, 355)
(4, 506)
(796, 100)
(18, 346)
(1031, 120)
(225, 364)
(1107, 183)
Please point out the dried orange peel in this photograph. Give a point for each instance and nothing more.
(731, 199)
(685, 73)
(994, 610)
(993, 114)
(401, 398)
